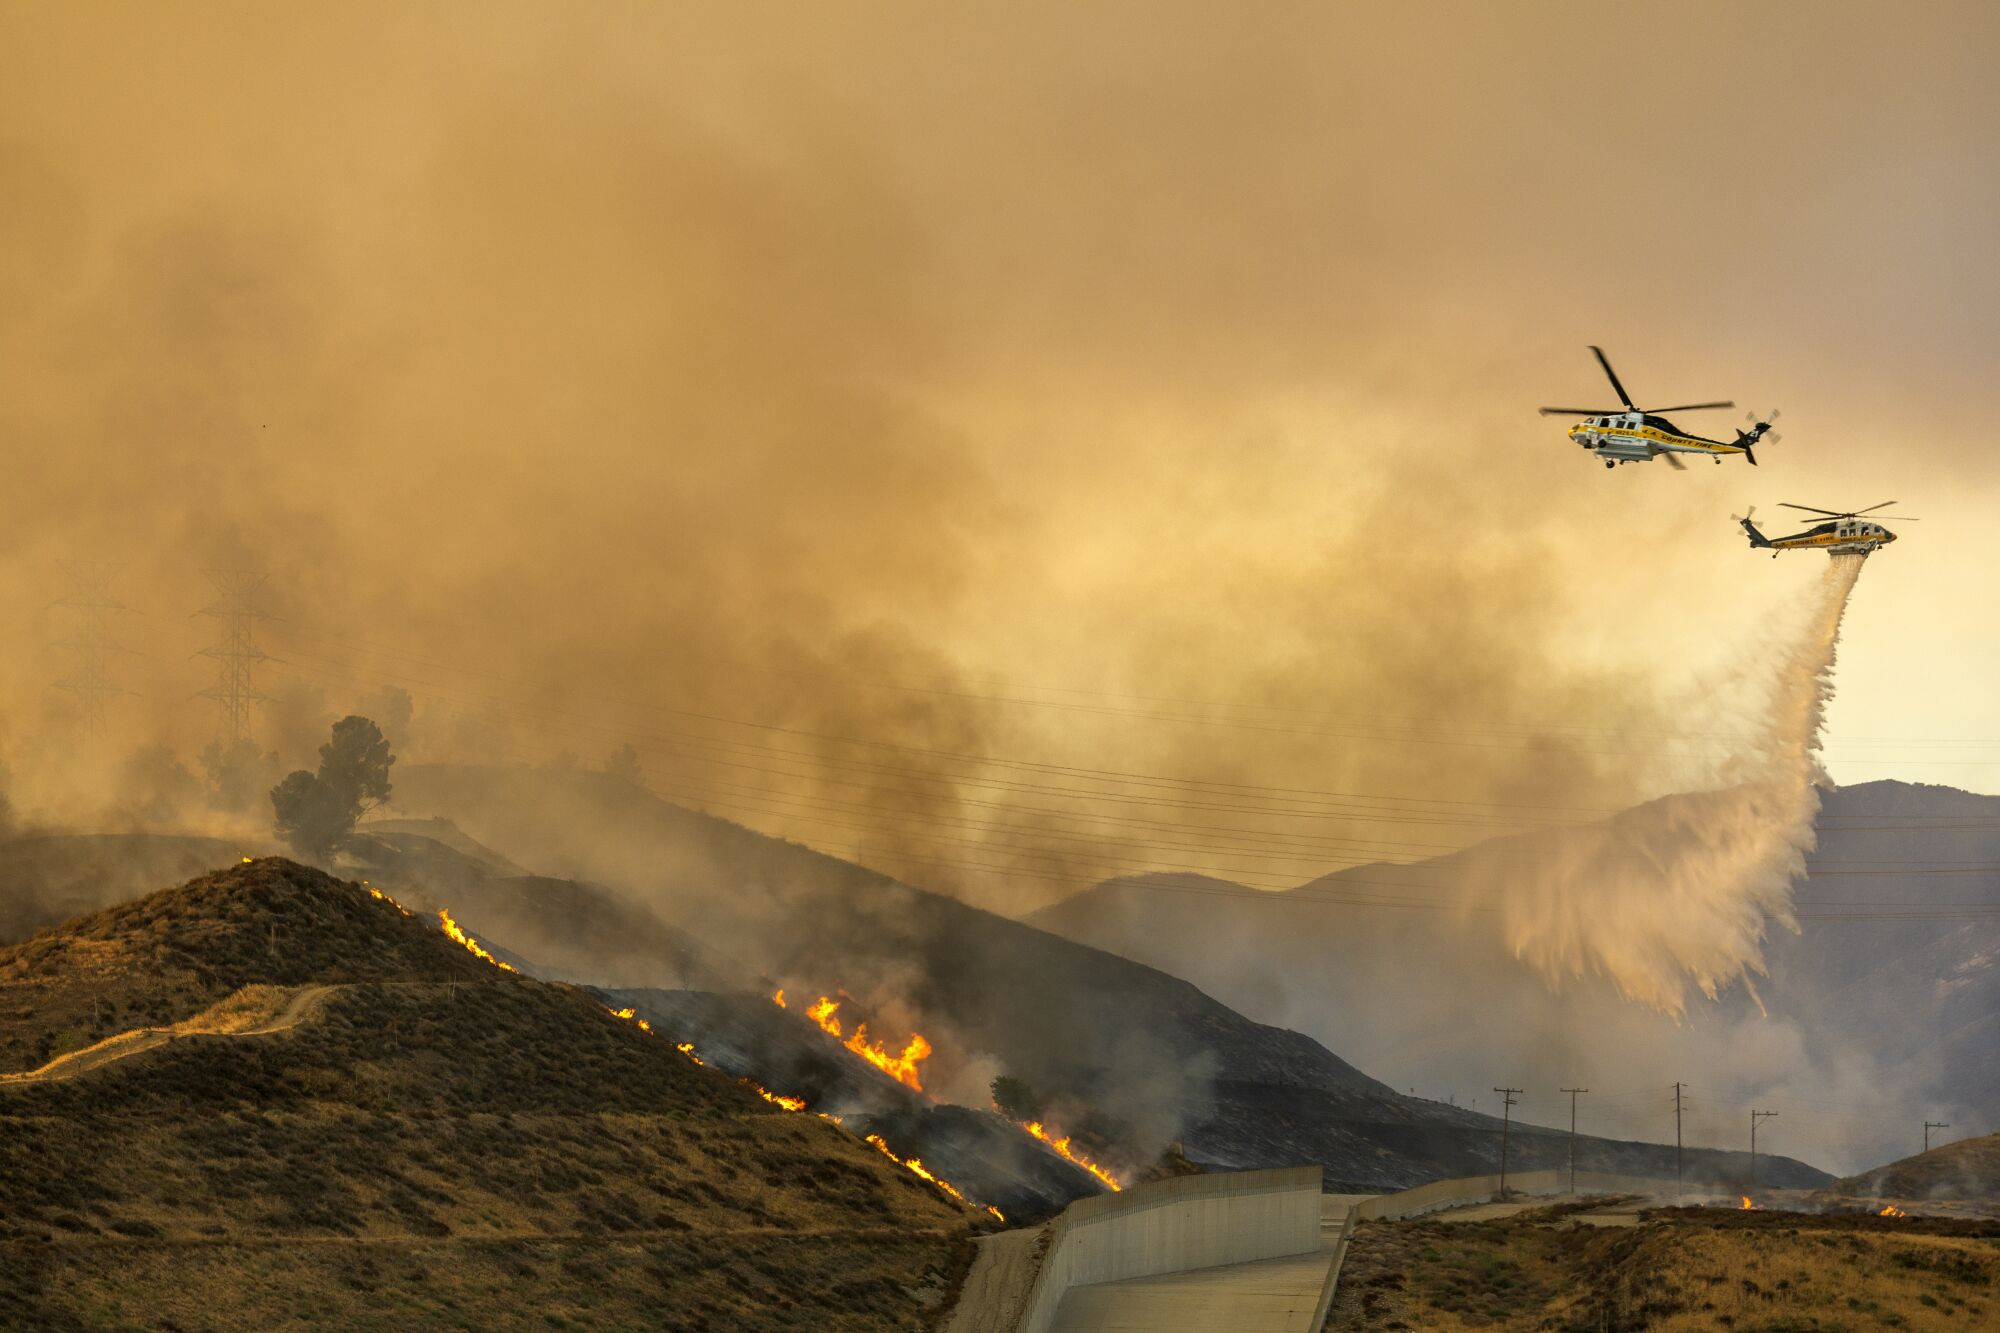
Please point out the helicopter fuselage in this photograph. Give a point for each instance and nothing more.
(1640, 437)
(1846, 536)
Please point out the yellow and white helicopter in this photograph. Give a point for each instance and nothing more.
(1639, 435)
(1839, 534)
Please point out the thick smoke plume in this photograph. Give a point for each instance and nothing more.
(1682, 888)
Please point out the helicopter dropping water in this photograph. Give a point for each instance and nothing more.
(1841, 533)
(1639, 435)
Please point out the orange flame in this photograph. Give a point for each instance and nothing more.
(1892, 1211)
(451, 929)
(383, 897)
(1060, 1146)
(916, 1168)
(1747, 1203)
(686, 1048)
(901, 1067)
(778, 998)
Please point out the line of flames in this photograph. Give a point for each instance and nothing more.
(904, 1070)
(383, 897)
(789, 1103)
(1062, 1149)
(1892, 1210)
(451, 929)
(916, 1168)
(902, 1067)
(890, 1064)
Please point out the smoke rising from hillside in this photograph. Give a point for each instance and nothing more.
(1106, 454)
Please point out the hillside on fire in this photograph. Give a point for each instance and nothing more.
(269, 1064)
(1132, 1062)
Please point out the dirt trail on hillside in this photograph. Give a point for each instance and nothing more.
(254, 1011)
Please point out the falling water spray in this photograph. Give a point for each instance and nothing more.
(1681, 890)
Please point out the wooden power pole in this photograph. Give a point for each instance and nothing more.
(1572, 1135)
(1507, 1096)
(1755, 1116)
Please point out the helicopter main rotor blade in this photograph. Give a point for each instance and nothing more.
(1577, 411)
(1688, 407)
(1678, 466)
(1612, 375)
(1787, 504)
(1872, 508)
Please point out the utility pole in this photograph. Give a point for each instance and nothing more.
(1572, 1134)
(91, 600)
(1507, 1096)
(1755, 1116)
(1930, 1125)
(237, 651)
(1677, 1142)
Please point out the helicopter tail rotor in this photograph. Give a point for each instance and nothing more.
(1756, 538)
(1760, 430)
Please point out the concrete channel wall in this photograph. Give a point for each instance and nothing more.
(1482, 1189)
(1170, 1226)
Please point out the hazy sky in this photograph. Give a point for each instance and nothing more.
(1141, 388)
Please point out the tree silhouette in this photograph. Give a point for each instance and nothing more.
(316, 813)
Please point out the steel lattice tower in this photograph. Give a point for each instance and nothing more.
(236, 652)
(89, 679)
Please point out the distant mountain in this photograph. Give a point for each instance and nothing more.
(1862, 1023)
(269, 1099)
(1126, 1055)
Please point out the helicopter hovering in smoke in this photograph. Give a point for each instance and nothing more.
(1639, 435)
(1840, 534)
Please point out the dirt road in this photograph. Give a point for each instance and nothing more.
(271, 1010)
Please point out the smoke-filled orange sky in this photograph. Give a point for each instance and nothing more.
(1134, 388)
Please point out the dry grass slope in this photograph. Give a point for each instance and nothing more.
(1772, 1273)
(441, 1144)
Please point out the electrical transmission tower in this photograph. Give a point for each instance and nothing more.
(90, 644)
(236, 652)
(1507, 1096)
(1755, 1116)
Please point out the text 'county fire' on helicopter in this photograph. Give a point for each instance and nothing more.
(1639, 435)
(1840, 534)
